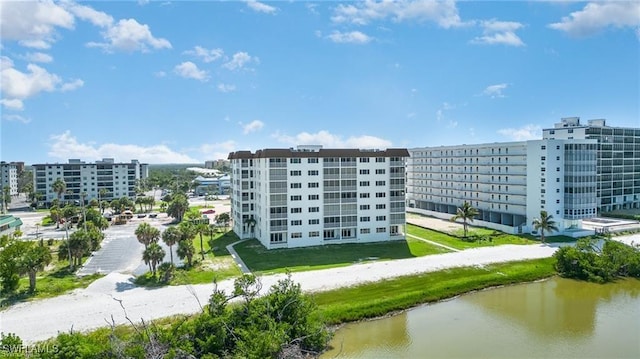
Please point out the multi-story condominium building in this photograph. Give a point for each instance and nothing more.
(508, 183)
(618, 159)
(116, 179)
(9, 177)
(314, 196)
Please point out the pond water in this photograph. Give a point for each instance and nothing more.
(556, 318)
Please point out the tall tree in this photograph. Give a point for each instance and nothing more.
(6, 198)
(101, 194)
(467, 213)
(170, 237)
(152, 256)
(224, 219)
(146, 234)
(200, 229)
(33, 260)
(251, 224)
(59, 187)
(544, 223)
(186, 250)
(178, 206)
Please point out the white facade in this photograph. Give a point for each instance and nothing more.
(116, 179)
(509, 183)
(312, 196)
(9, 177)
(618, 159)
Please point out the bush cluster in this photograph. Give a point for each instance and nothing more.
(598, 260)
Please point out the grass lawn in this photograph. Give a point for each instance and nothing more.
(217, 263)
(261, 260)
(57, 279)
(489, 237)
(380, 298)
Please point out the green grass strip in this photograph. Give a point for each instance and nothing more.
(377, 299)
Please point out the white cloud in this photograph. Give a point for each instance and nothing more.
(38, 57)
(261, 7)
(253, 126)
(329, 140)
(353, 37)
(65, 146)
(440, 112)
(129, 35)
(21, 85)
(495, 91)
(525, 133)
(599, 15)
(16, 86)
(97, 18)
(70, 86)
(12, 104)
(191, 71)
(443, 13)
(15, 118)
(239, 60)
(499, 32)
(205, 55)
(218, 150)
(160, 74)
(226, 87)
(33, 23)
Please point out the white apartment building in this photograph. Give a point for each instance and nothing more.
(618, 159)
(509, 183)
(116, 179)
(312, 196)
(9, 177)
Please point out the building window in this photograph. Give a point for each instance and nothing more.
(313, 197)
(380, 171)
(364, 195)
(365, 230)
(381, 183)
(314, 221)
(364, 159)
(380, 159)
(381, 230)
(296, 198)
(364, 207)
(277, 238)
(296, 235)
(294, 160)
(543, 147)
(381, 218)
(296, 210)
(312, 160)
(365, 219)
(364, 172)
(314, 184)
(314, 209)
(314, 234)
(313, 172)
(296, 185)
(381, 206)
(295, 173)
(380, 194)
(364, 183)
(296, 222)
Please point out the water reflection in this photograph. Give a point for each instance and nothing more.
(558, 318)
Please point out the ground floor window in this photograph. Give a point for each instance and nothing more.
(329, 234)
(278, 237)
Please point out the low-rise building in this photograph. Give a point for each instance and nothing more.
(9, 177)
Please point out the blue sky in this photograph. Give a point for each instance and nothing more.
(176, 82)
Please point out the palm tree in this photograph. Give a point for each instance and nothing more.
(33, 260)
(544, 223)
(153, 255)
(170, 237)
(466, 213)
(59, 187)
(200, 229)
(101, 195)
(186, 250)
(251, 224)
(6, 198)
(146, 234)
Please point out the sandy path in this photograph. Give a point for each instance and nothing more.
(94, 306)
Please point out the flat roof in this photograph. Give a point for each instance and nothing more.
(321, 153)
